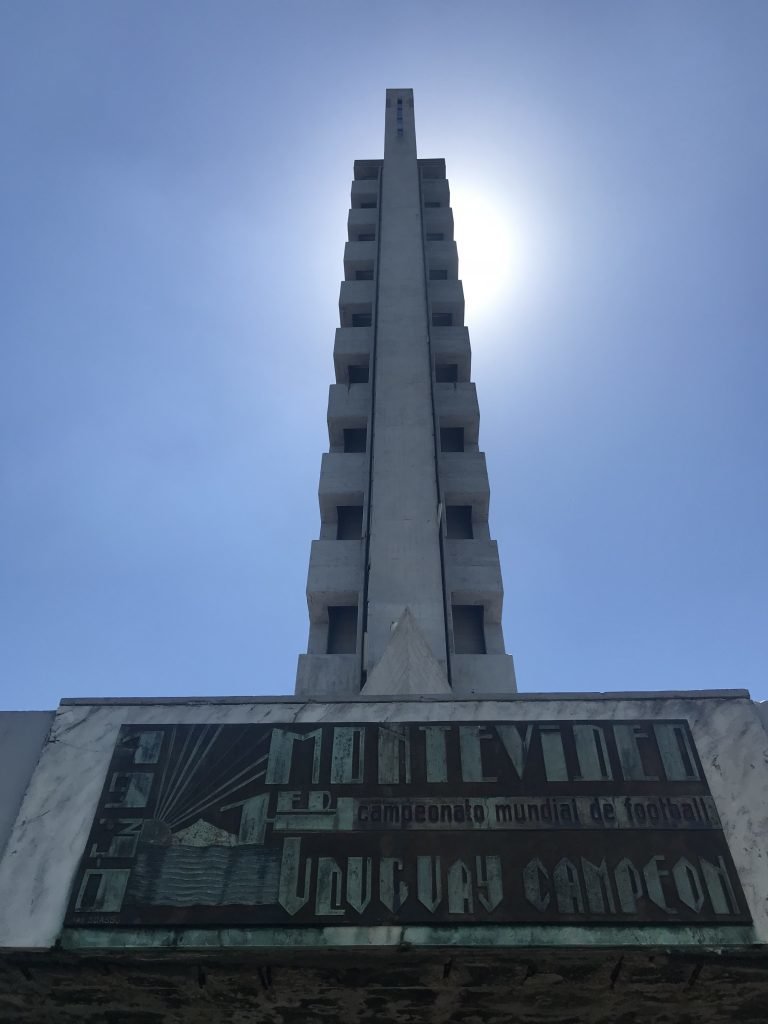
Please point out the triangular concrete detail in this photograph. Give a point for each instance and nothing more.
(407, 665)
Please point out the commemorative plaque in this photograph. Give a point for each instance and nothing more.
(504, 822)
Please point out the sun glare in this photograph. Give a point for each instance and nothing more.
(490, 246)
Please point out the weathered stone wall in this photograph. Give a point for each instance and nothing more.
(21, 739)
(47, 843)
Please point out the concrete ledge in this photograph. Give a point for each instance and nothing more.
(556, 695)
(695, 938)
(457, 407)
(349, 405)
(343, 481)
(359, 256)
(355, 297)
(436, 190)
(440, 220)
(464, 481)
(365, 221)
(365, 190)
(444, 255)
(473, 575)
(491, 674)
(335, 574)
(329, 676)
(451, 345)
(352, 346)
(448, 297)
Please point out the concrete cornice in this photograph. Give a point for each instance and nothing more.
(730, 694)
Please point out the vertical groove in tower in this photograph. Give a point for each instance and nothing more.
(404, 588)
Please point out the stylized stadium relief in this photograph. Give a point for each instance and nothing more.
(496, 822)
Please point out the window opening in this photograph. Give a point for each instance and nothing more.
(468, 629)
(451, 439)
(458, 522)
(447, 373)
(442, 319)
(355, 439)
(349, 522)
(357, 373)
(342, 629)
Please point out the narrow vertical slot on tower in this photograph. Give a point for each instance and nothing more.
(349, 522)
(342, 629)
(458, 522)
(451, 439)
(468, 628)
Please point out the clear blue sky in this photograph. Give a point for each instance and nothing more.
(173, 198)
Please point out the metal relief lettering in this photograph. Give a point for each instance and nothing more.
(363, 824)
(592, 753)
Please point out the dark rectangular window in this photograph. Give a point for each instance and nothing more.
(451, 439)
(435, 236)
(361, 319)
(366, 236)
(355, 439)
(350, 522)
(364, 275)
(367, 206)
(458, 522)
(438, 274)
(342, 629)
(357, 373)
(468, 629)
(447, 373)
(432, 169)
(442, 319)
(432, 206)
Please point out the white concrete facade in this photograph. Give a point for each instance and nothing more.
(404, 460)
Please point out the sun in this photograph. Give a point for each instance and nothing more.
(489, 239)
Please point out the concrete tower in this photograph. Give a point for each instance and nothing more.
(404, 587)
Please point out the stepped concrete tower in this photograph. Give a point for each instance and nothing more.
(404, 587)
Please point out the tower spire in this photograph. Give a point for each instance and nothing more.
(404, 586)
